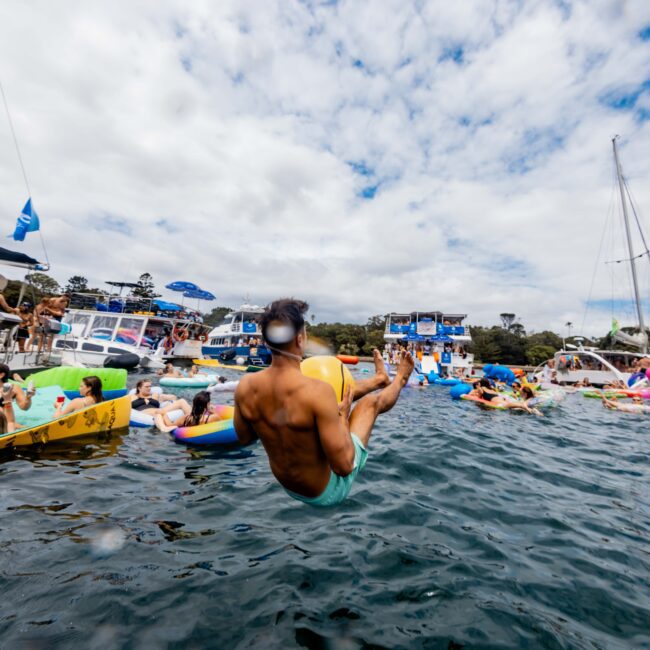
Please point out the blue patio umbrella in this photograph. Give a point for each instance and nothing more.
(182, 286)
(199, 294)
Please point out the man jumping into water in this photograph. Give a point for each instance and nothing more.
(316, 447)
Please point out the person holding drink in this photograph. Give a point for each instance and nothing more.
(11, 393)
(91, 394)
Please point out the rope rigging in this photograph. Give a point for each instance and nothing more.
(22, 167)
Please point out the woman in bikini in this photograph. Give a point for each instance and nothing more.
(144, 401)
(91, 394)
(201, 413)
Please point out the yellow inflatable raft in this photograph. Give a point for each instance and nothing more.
(100, 418)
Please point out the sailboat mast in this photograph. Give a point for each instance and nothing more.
(626, 219)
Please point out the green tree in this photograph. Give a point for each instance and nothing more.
(537, 354)
(76, 284)
(507, 320)
(376, 323)
(547, 338)
(43, 284)
(146, 287)
(216, 316)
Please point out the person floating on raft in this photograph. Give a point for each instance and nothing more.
(637, 405)
(316, 447)
(482, 391)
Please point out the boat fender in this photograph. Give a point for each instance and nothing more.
(126, 361)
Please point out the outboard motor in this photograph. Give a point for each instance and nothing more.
(127, 361)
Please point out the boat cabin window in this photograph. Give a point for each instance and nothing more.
(78, 322)
(129, 330)
(92, 347)
(103, 327)
(62, 344)
(117, 351)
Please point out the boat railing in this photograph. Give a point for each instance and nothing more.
(605, 363)
(9, 347)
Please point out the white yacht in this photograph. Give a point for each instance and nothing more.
(598, 366)
(442, 340)
(126, 332)
(238, 339)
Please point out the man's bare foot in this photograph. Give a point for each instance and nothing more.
(380, 368)
(405, 368)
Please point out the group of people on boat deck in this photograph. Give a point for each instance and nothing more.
(34, 328)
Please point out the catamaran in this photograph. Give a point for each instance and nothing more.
(576, 363)
(440, 339)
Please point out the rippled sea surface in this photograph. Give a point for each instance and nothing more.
(466, 528)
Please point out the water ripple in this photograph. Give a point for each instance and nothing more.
(466, 529)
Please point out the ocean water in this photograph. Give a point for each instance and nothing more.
(467, 528)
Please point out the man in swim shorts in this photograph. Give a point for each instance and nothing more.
(315, 446)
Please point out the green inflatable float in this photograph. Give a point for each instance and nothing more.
(68, 378)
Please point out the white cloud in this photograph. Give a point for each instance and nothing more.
(223, 138)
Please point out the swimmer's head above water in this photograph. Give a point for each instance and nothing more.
(283, 327)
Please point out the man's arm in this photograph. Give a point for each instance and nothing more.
(243, 428)
(334, 429)
(23, 399)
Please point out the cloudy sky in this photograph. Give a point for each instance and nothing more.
(367, 156)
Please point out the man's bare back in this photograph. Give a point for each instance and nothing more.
(306, 434)
(315, 446)
(282, 407)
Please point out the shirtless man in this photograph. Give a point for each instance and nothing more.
(315, 446)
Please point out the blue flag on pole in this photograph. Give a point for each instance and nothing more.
(26, 222)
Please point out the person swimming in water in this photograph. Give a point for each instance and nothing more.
(483, 390)
(315, 446)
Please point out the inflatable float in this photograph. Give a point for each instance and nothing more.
(547, 398)
(434, 378)
(99, 418)
(143, 420)
(220, 432)
(348, 359)
(330, 370)
(213, 363)
(201, 381)
(69, 378)
(483, 402)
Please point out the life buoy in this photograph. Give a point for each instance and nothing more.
(180, 336)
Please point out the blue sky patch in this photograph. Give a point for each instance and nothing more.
(622, 99)
(454, 53)
(644, 34)
(360, 167)
(167, 225)
(116, 224)
(535, 145)
(622, 309)
(369, 192)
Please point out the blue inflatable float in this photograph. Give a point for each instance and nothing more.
(459, 390)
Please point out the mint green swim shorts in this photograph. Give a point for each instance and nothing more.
(338, 487)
